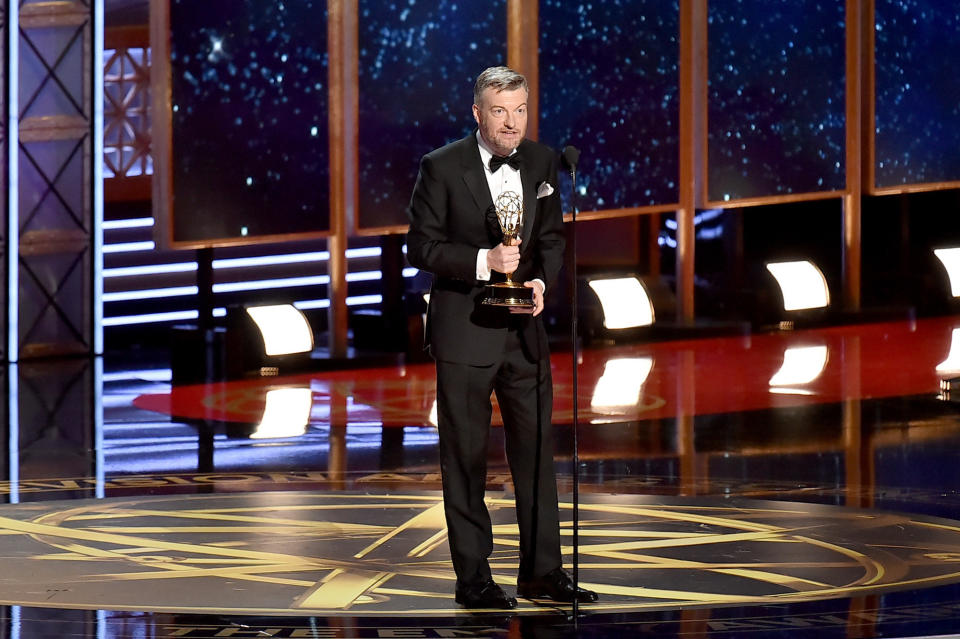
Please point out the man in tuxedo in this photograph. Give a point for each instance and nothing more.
(481, 348)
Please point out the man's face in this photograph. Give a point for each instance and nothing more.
(502, 117)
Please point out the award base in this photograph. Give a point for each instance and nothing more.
(509, 294)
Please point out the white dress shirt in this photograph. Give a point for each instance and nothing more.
(505, 179)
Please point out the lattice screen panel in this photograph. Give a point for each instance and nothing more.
(126, 84)
(55, 196)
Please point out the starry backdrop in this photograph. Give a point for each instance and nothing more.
(250, 133)
(250, 103)
(918, 92)
(418, 64)
(776, 98)
(608, 86)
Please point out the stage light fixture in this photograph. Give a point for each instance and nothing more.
(802, 285)
(285, 330)
(624, 301)
(951, 365)
(801, 365)
(265, 340)
(948, 370)
(950, 258)
(619, 388)
(286, 413)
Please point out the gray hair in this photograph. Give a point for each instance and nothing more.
(499, 79)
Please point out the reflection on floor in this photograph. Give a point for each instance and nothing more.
(795, 484)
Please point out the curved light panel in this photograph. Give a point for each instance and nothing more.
(802, 284)
(952, 363)
(950, 258)
(285, 329)
(624, 301)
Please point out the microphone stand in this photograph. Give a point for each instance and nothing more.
(569, 160)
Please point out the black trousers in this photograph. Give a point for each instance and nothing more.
(525, 394)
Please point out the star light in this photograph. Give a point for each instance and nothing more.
(216, 49)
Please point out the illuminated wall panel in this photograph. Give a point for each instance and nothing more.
(917, 125)
(609, 86)
(249, 119)
(776, 98)
(417, 66)
(4, 184)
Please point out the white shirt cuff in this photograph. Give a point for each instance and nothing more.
(543, 287)
(483, 271)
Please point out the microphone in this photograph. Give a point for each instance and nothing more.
(570, 157)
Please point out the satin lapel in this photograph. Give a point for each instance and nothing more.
(529, 181)
(473, 175)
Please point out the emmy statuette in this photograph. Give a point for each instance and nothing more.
(509, 209)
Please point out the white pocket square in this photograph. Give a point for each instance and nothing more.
(544, 190)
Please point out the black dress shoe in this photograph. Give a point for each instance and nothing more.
(556, 585)
(484, 595)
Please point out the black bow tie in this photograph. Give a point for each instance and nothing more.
(499, 160)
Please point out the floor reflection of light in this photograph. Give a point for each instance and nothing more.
(620, 385)
(952, 363)
(801, 365)
(286, 413)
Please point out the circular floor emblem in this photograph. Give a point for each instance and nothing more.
(303, 553)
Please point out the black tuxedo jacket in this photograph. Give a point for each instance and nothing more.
(448, 224)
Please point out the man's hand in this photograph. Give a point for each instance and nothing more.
(537, 300)
(503, 258)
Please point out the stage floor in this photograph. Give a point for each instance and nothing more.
(793, 484)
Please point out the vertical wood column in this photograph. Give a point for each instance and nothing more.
(693, 117)
(859, 19)
(653, 246)
(342, 46)
(523, 53)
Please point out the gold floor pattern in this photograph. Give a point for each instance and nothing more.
(361, 553)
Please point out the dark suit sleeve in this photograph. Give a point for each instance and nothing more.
(429, 246)
(550, 238)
